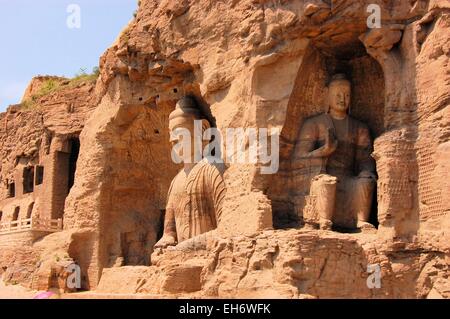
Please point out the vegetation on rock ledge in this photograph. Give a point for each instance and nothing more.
(53, 85)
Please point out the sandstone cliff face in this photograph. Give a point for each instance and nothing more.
(260, 64)
(35, 140)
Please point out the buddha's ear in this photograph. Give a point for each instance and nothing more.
(205, 125)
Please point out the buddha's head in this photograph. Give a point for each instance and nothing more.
(182, 125)
(339, 93)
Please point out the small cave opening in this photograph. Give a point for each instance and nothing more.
(16, 213)
(30, 210)
(11, 190)
(28, 180)
(39, 175)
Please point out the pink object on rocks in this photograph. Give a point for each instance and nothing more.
(44, 295)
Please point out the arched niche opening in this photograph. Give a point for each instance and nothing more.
(16, 213)
(140, 172)
(30, 210)
(136, 170)
(287, 189)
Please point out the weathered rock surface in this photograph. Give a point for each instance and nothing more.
(249, 64)
(288, 264)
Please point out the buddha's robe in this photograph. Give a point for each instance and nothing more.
(195, 201)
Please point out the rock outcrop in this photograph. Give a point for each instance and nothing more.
(248, 64)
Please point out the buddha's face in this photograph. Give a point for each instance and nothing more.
(340, 96)
(182, 139)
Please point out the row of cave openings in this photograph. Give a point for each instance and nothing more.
(63, 172)
(16, 213)
(32, 176)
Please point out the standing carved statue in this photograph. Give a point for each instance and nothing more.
(196, 194)
(337, 148)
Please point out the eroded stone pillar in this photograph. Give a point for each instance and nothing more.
(394, 150)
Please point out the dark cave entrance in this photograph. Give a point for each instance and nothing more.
(30, 210)
(64, 175)
(74, 144)
(39, 175)
(15, 216)
(11, 190)
(28, 180)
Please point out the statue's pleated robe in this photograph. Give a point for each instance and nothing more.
(195, 201)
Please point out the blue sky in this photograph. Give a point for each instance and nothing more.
(35, 39)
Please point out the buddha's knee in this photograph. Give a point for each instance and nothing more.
(325, 179)
(363, 190)
(323, 185)
(365, 185)
(323, 189)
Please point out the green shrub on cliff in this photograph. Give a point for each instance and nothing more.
(82, 76)
(53, 85)
(48, 86)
